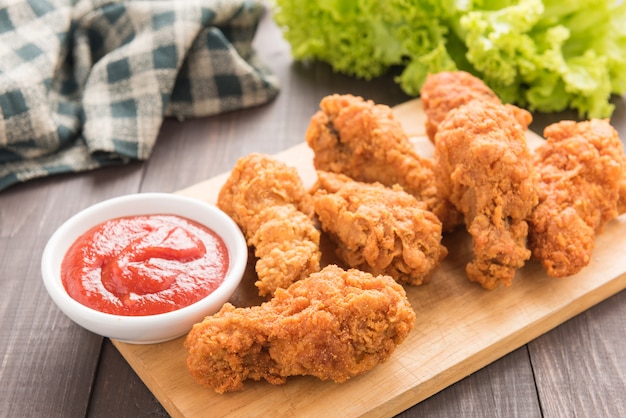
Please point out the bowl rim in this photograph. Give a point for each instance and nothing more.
(165, 203)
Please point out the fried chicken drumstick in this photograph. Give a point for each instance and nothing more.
(447, 90)
(378, 229)
(268, 201)
(333, 325)
(484, 168)
(364, 141)
(581, 168)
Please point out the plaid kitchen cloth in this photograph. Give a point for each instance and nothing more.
(86, 84)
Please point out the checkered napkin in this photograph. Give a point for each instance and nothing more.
(85, 84)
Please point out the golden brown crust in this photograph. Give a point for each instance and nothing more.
(379, 229)
(268, 201)
(448, 90)
(484, 168)
(334, 325)
(364, 141)
(581, 167)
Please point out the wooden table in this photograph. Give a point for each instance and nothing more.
(51, 367)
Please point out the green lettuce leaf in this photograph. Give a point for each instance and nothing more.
(546, 55)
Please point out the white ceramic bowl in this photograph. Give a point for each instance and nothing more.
(150, 328)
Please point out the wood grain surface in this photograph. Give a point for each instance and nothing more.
(460, 327)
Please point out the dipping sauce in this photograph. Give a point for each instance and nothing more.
(144, 265)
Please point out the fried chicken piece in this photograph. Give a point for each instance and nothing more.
(333, 325)
(268, 201)
(484, 168)
(581, 172)
(447, 90)
(364, 141)
(378, 229)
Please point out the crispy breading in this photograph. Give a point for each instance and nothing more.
(364, 141)
(379, 229)
(448, 90)
(333, 325)
(445, 91)
(268, 201)
(581, 167)
(484, 168)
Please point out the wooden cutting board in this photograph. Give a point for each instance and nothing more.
(460, 327)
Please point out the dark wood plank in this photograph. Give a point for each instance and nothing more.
(503, 389)
(119, 392)
(580, 367)
(48, 362)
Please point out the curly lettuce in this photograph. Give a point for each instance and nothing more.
(545, 55)
(364, 38)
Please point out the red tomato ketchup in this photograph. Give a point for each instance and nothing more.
(144, 265)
